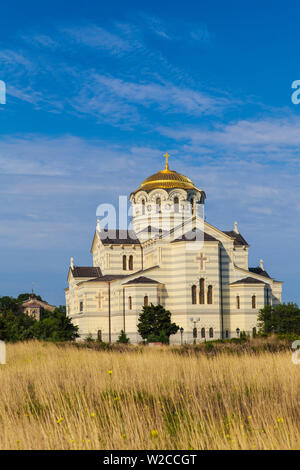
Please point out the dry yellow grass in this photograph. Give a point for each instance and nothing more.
(68, 398)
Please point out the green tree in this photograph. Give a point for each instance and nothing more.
(155, 324)
(280, 319)
(55, 326)
(123, 338)
(22, 297)
(8, 303)
(16, 326)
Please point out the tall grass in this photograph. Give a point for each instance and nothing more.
(68, 398)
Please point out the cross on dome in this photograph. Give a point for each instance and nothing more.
(166, 155)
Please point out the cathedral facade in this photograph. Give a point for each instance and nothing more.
(174, 258)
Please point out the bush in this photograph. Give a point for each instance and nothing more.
(208, 346)
(89, 338)
(244, 336)
(123, 338)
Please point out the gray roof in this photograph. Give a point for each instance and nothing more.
(107, 278)
(119, 237)
(239, 240)
(96, 274)
(195, 235)
(86, 271)
(259, 271)
(142, 280)
(248, 280)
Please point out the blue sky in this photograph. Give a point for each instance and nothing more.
(98, 91)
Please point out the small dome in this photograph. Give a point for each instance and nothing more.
(166, 179)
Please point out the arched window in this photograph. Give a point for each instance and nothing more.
(124, 263)
(253, 301)
(130, 263)
(176, 205)
(130, 303)
(238, 302)
(143, 206)
(267, 297)
(194, 207)
(146, 301)
(158, 205)
(202, 291)
(226, 334)
(202, 332)
(210, 295)
(211, 332)
(194, 294)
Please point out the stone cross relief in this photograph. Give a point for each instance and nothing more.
(100, 298)
(203, 260)
(2, 352)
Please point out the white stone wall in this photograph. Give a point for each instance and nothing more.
(176, 268)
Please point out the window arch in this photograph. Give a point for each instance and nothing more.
(202, 291)
(194, 294)
(253, 301)
(211, 332)
(202, 332)
(130, 263)
(143, 206)
(267, 296)
(146, 301)
(130, 303)
(192, 205)
(210, 295)
(158, 205)
(238, 303)
(176, 205)
(124, 263)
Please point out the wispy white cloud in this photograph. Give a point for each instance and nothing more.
(266, 138)
(41, 40)
(11, 58)
(116, 99)
(99, 38)
(201, 34)
(174, 29)
(25, 94)
(122, 98)
(156, 25)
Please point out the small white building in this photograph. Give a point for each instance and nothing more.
(172, 257)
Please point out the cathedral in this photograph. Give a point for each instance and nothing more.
(171, 256)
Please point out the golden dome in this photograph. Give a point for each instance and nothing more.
(166, 179)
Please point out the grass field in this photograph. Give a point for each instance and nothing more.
(55, 397)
